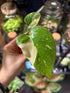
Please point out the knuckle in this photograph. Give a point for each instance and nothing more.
(4, 48)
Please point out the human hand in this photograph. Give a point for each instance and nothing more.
(13, 62)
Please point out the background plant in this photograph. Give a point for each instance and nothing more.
(44, 84)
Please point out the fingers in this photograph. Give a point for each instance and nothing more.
(23, 58)
(12, 48)
(22, 62)
(13, 42)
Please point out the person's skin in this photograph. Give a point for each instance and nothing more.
(13, 62)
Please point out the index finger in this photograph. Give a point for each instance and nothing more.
(11, 43)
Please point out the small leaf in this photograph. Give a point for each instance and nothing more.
(14, 85)
(65, 61)
(22, 38)
(32, 19)
(54, 87)
(56, 78)
(29, 82)
(40, 85)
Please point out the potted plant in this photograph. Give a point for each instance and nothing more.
(15, 85)
(42, 84)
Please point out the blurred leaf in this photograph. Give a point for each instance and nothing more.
(54, 87)
(14, 85)
(32, 19)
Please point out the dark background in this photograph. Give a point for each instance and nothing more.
(32, 5)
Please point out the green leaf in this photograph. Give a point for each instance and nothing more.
(40, 50)
(46, 51)
(40, 85)
(65, 61)
(13, 24)
(36, 77)
(56, 78)
(32, 19)
(30, 76)
(54, 87)
(22, 38)
(29, 82)
(14, 85)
